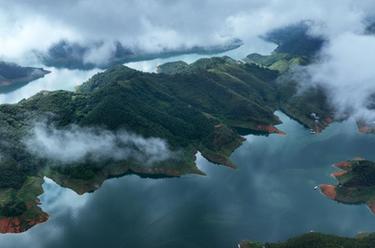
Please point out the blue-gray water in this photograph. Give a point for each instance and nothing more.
(269, 197)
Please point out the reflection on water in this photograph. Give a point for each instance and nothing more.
(269, 197)
(65, 79)
(58, 79)
(240, 53)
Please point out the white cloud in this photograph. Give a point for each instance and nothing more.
(346, 71)
(77, 144)
(156, 25)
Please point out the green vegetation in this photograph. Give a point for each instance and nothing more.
(197, 110)
(205, 106)
(356, 183)
(173, 67)
(200, 108)
(317, 240)
(71, 55)
(296, 40)
(281, 62)
(13, 76)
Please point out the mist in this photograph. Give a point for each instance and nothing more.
(79, 144)
(345, 71)
(156, 26)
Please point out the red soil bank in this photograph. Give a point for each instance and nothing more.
(371, 206)
(270, 129)
(363, 127)
(329, 191)
(18, 225)
(338, 174)
(343, 165)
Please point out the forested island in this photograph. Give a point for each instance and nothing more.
(356, 183)
(152, 124)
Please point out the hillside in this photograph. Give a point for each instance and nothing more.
(203, 110)
(13, 76)
(150, 124)
(297, 39)
(356, 183)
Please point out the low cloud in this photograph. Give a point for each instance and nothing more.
(146, 24)
(346, 71)
(77, 144)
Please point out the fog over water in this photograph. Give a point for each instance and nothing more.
(58, 79)
(269, 197)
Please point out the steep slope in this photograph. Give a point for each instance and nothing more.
(296, 48)
(204, 109)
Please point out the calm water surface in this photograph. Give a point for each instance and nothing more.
(269, 197)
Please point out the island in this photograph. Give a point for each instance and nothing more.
(207, 108)
(316, 240)
(356, 183)
(13, 76)
(366, 127)
(123, 121)
(73, 55)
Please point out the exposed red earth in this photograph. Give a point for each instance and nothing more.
(328, 190)
(270, 129)
(344, 165)
(365, 127)
(338, 174)
(354, 187)
(22, 223)
(371, 206)
(19, 225)
(321, 125)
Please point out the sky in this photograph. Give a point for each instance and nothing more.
(152, 25)
(344, 69)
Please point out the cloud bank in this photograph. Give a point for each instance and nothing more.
(345, 70)
(78, 144)
(156, 25)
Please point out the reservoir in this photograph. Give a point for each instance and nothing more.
(269, 197)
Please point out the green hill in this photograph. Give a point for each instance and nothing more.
(13, 76)
(205, 106)
(356, 183)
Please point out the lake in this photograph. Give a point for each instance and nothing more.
(269, 197)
